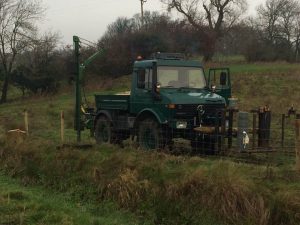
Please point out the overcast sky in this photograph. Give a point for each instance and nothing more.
(89, 18)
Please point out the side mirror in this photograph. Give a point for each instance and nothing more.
(158, 85)
(223, 78)
(213, 88)
(156, 92)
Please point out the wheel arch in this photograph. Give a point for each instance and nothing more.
(161, 128)
(148, 113)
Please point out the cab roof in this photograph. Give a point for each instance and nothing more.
(167, 59)
(167, 62)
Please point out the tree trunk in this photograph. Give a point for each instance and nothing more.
(297, 50)
(209, 46)
(4, 90)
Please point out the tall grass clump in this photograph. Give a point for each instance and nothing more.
(224, 190)
(127, 189)
(286, 208)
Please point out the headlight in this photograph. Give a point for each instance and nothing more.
(181, 124)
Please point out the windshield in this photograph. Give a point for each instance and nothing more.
(180, 77)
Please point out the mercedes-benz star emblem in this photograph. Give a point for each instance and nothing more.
(200, 109)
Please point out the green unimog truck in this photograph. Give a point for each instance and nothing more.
(170, 98)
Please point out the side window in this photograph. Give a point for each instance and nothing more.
(141, 78)
(144, 78)
(219, 79)
(148, 79)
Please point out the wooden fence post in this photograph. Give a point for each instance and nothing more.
(26, 123)
(62, 126)
(297, 143)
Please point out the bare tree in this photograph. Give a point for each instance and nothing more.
(269, 17)
(289, 14)
(43, 53)
(122, 26)
(17, 18)
(212, 18)
(297, 39)
(278, 20)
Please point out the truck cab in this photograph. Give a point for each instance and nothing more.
(170, 97)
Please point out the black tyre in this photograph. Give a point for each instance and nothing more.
(104, 131)
(150, 135)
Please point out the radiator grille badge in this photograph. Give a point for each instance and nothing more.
(201, 111)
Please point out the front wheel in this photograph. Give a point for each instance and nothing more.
(150, 135)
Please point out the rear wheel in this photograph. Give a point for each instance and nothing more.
(103, 131)
(150, 135)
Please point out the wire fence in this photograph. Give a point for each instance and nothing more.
(258, 136)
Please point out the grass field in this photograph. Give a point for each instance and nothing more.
(108, 185)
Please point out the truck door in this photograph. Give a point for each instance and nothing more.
(220, 78)
(142, 97)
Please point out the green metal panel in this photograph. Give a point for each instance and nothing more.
(162, 116)
(190, 96)
(115, 102)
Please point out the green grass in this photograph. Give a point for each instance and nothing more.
(264, 68)
(35, 205)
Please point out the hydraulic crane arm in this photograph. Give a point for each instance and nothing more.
(85, 64)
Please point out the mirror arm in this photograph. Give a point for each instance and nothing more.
(155, 94)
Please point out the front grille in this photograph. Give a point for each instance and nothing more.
(189, 111)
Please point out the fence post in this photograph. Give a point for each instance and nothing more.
(62, 126)
(230, 128)
(282, 131)
(26, 123)
(297, 144)
(254, 131)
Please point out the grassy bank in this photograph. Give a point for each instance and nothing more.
(160, 188)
